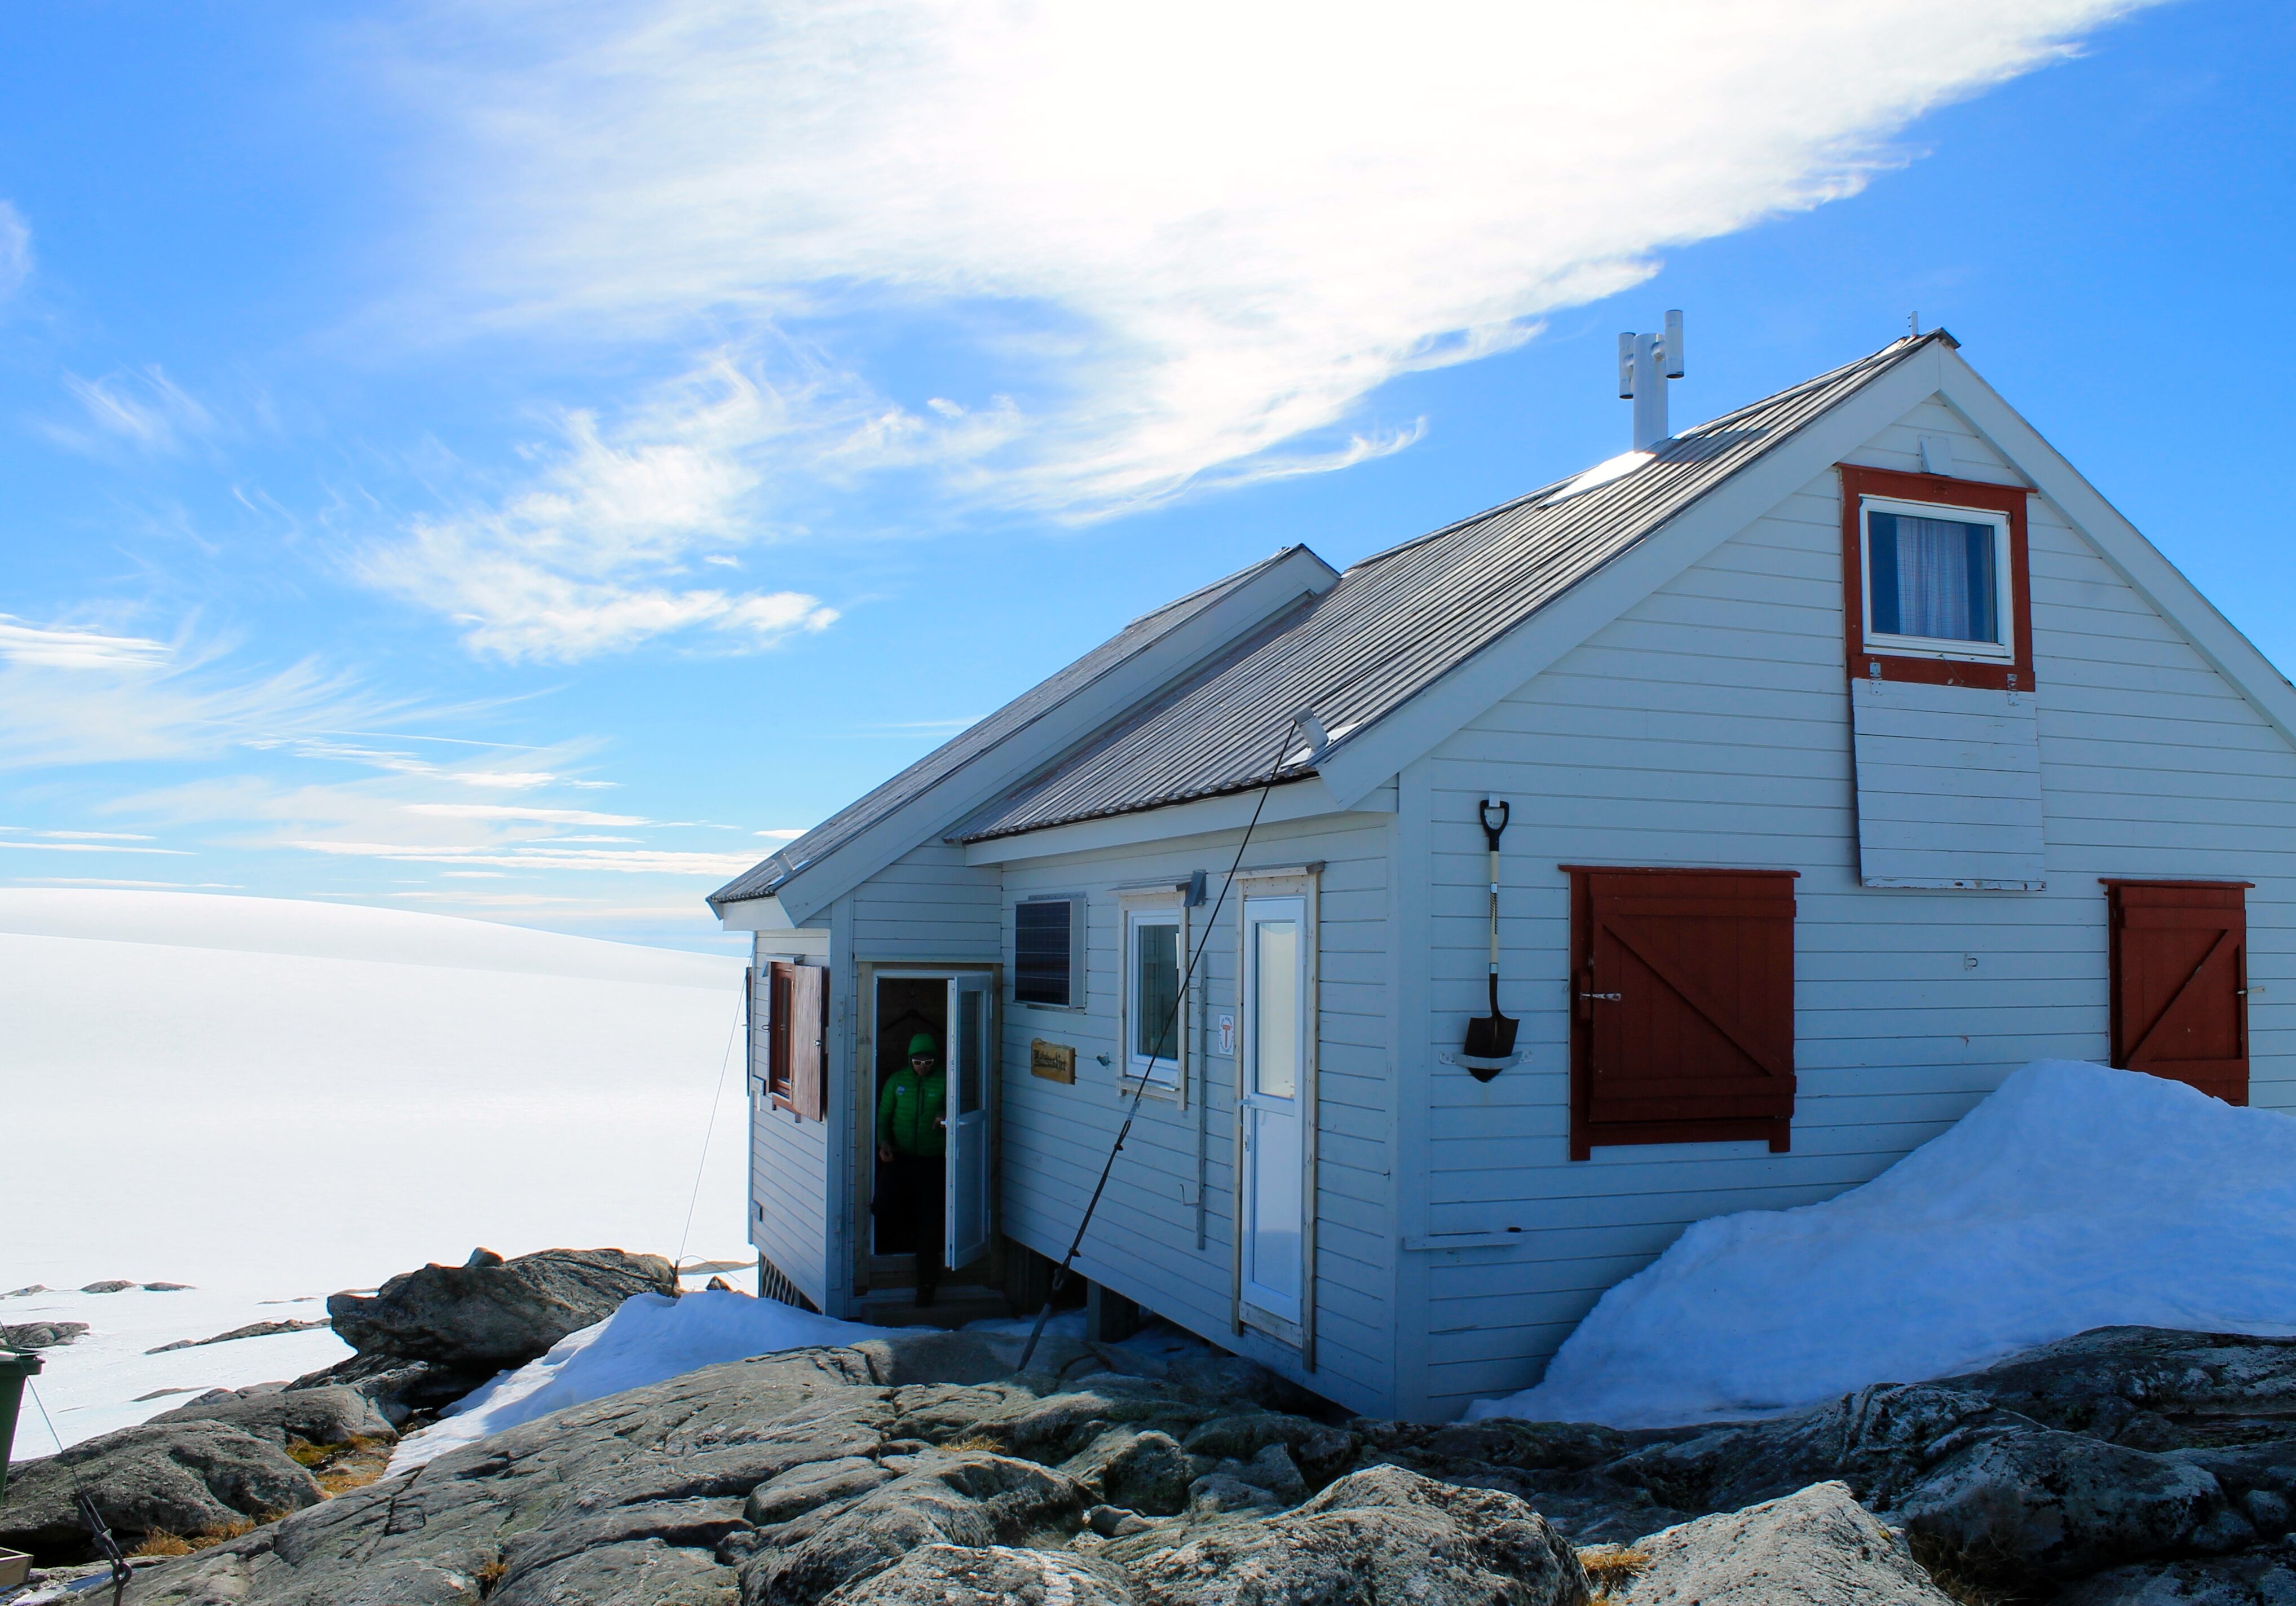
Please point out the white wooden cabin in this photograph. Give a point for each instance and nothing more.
(1995, 782)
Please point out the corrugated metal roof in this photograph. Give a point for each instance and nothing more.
(858, 816)
(1399, 621)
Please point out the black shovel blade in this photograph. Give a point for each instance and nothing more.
(1490, 1037)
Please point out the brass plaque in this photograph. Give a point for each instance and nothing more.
(1053, 1061)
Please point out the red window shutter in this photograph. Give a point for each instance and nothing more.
(777, 1001)
(809, 1044)
(1682, 1024)
(2179, 953)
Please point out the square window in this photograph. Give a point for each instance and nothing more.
(1937, 581)
(1048, 952)
(1152, 993)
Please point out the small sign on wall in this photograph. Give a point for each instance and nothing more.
(1053, 1061)
(1226, 1035)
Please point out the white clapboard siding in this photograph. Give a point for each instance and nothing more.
(1164, 1235)
(788, 1165)
(1696, 732)
(1949, 786)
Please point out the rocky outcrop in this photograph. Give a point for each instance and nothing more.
(1818, 1547)
(315, 1416)
(40, 1335)
(183, 1479)
(997, 1575)
(489, 1313)
(920, 1469)
(253, 1329)
(1382, 1538)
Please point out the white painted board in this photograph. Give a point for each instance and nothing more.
(1949, 787)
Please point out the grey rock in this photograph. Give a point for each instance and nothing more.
(1061, 1425)
(113, 1285)
(397, 1388)
(1216, 1492)
(1115, 1522)
(1144, 1472)
(316, 1416)
(29, 1288)
(494, 1315)
(166, 1288)
(2057, 1505)
(1818, 1547)
(994, 1574)
(2264, 1576)
(1556, 1467)
(650, 1481)
(2100, 1380)
(1321, 1454)
(970, 1499)
(644, 1572)
(935, 1413)
(253, 1329)
(927, 1355)
(1380, 1538)
(179, 1477)
(816, 1484)
(40, 1335)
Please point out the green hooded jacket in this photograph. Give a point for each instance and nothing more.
(908, 1112)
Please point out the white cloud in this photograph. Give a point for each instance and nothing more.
(645, 861)
(60, 647)
(70, 694)
(498, 811)
(15, 251)
(146, 410)
(589, 557)
(784, 833)
(92, 847)
(1188, 238)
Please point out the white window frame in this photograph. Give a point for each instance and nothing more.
(1079, 979)
(1162, 911)
(2005, 611)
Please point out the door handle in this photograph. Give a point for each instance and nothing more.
(1606, 997)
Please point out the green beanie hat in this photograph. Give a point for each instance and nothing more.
(922, 1045)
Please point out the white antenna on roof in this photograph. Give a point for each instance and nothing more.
(1645, 363)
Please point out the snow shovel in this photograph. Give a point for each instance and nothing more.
(1490, 1038)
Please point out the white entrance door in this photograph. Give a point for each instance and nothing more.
(972, 1059)
(1276, 1027)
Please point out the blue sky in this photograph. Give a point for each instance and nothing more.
(511, 466)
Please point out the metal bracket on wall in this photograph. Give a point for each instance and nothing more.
(1479, 1062)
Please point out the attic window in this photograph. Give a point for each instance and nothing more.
(1935, 580)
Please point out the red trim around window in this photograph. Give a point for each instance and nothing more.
(1856, 483)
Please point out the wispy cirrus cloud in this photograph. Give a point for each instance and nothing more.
(1174, 249)
(15, 251)
(75, 693)
(596, 554)
(143, 409)
(498, 811)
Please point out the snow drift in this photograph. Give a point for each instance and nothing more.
(2074, 1197)
(651, 1339)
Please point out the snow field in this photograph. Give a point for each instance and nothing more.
(285, 1099)
(2073, 1197)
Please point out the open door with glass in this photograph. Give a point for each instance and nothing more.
(971, 1060)
(949, 1201)
(1273, 1066)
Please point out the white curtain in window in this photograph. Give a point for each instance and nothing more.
(1933, 595)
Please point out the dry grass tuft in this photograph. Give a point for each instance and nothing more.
(1972, 1577)
(338, 1469)
(974, 1441)
(1612, 1568)
(160, 1542)
(490, 1575)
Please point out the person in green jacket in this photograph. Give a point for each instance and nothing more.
(912, 1159)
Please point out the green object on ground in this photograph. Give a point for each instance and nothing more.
(14, 1368)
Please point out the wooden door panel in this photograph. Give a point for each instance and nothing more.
(2179, 1004)
(1683, 1029)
